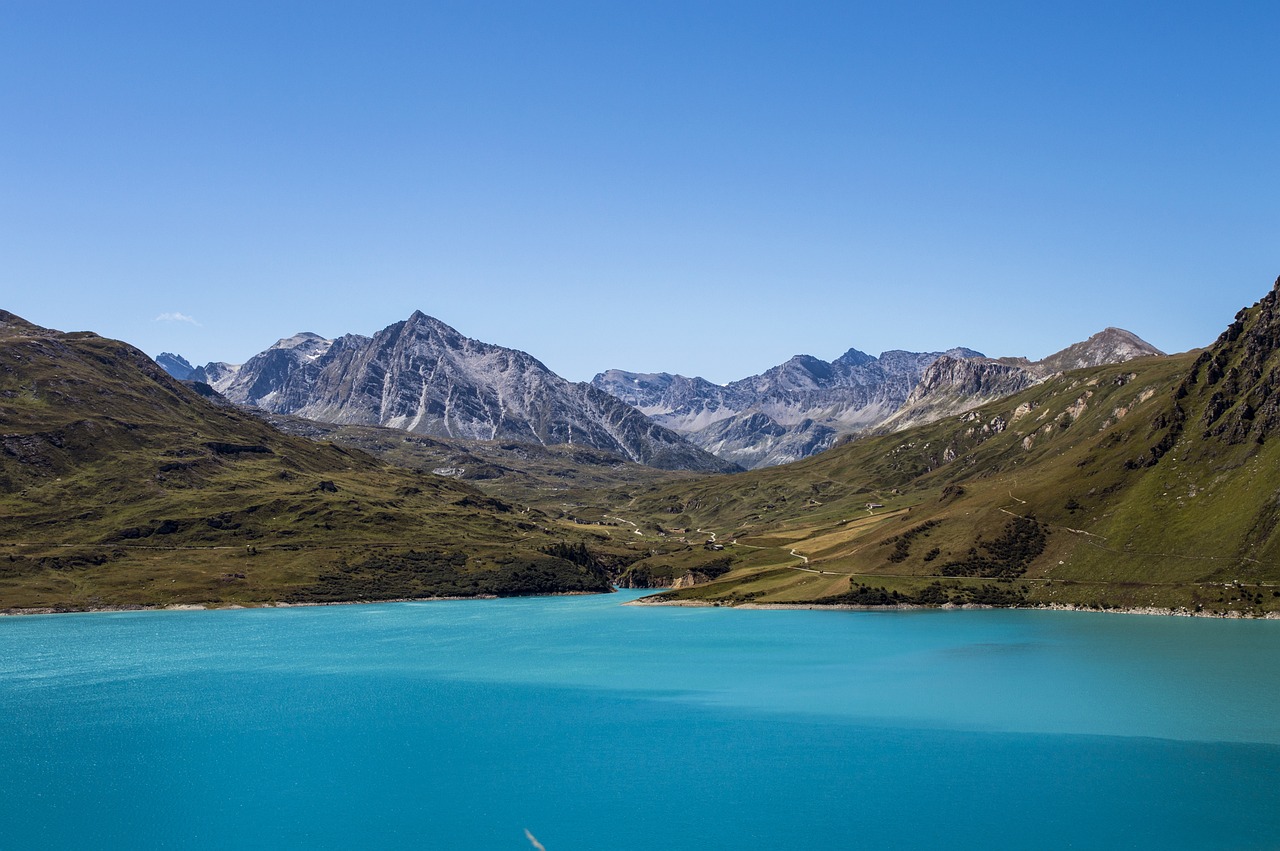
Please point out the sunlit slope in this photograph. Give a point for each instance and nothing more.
(1155, 482)
(120, 486)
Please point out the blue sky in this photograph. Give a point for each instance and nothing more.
(705, 188)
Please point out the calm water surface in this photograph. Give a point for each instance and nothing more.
(599, 726)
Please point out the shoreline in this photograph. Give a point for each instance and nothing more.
(912, 607)
(650, 601)
(207, 607)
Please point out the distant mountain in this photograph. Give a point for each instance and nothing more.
(1111, 345)
(175, 365)
(425, 377)
(950, 387)
(786, 413)
(755, 440)
(805, 405)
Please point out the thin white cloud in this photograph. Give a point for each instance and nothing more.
(177, 317)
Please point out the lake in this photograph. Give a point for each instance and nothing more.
(593, 725)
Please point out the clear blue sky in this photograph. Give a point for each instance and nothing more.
(705, 188)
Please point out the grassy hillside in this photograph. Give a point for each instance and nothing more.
(555, 479)
(1151, 483)
(120, 486)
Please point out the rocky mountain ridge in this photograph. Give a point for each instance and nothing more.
(803, 406)
(423, 376)
(949, 387)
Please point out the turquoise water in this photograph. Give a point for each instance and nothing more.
(599, 726)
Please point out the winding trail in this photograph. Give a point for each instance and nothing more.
(623, 520)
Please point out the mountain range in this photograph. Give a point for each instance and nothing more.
(425, 377)
(805, 405)
(422, 376)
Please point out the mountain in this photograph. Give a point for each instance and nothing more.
(791, 411)
(175, 365)
(804, 406)
(951, 386)
(1111, 345)
(423, 376)
(754, 440)
(121, 486)
(1152, 484)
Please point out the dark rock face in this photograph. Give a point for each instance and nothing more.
(1238, 378)
(423, 376)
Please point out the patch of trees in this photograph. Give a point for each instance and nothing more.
(157, 527)
(395, 576)
(902, 543)
(576, 553)
(1022, 541)
(219, 448)
(484, 503)
(933, 594)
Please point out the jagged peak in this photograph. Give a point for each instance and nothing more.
(854, 357)
(176, 365)
(809, 363)
(421, 324)
(179, 359)
(419, 318)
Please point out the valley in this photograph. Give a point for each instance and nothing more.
(1145, 483)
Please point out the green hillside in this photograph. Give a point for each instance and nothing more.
(556, 478)
(120, 486)
(1154, 483)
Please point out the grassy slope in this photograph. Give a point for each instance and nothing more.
(555, 479)
(1075, 453)
(119, 486)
